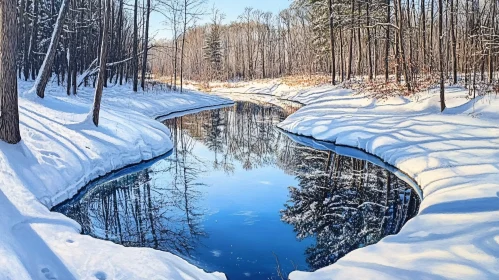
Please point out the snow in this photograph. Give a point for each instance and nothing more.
(453, 156)
(59, 154)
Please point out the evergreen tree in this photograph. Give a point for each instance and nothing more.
(213, 45)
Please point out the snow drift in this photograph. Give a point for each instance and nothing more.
(58, 155)
(453, 156)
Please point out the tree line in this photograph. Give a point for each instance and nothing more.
(414, 43)
(77, 43)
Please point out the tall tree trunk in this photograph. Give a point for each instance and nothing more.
(369, 46)
(26, 53)
(33, 40)
(493, 32)
(9, 109)
(146, 46)
(423, 26)
(331, 40)
(407, 76)
(350, 47)
(135, 59)
(74, 42)
(441, 53)
(432, 13)
(387, 41)
(342, 56)
(359, 41)
(183, 48)
(454, 43)
(102, 65)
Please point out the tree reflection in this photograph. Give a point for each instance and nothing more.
(341, 202)
(345, 204)
(244, 133)
(155, 207)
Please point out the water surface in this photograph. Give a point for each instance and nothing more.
(238, 196)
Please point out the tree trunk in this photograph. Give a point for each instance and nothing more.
(135, 60)
(331, 38)
(26, 54)
(493, 31)
(369, 47)
(350, 46)
(46, 69)
(432, 11)
(146, 45)
(102, 65)
(183, 48)
(387, 41)
(441, 54)
(407, 76)
(454, 43)
(33, 40)
(9, 109)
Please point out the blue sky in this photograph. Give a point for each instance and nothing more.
(231, 8)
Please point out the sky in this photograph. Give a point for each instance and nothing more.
(231, 8)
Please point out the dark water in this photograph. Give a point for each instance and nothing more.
(238, 196)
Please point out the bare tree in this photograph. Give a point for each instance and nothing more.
(135, 60)
(102, 67)
(46, 68)
(441, 52)
(191, 11)
(146, 45)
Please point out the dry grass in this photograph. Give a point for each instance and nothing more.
(306, 80)
(381, 89)
(377, 88)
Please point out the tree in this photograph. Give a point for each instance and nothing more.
(332, 41)
(102, 67)
(399, 38)
(146, 46)
(135, 59)
(213, 45)
(441, 52)
(46, 68)
(9, 109)
(191, 11)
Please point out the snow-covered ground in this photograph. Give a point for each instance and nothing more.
(453, 156)
(58, 155)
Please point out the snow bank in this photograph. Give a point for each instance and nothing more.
(58, 155)
(453, 156)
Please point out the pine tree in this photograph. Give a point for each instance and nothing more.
(213, 46)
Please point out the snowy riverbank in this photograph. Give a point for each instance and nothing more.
(453, 156)
(58, 155)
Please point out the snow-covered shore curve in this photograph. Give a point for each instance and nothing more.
(59, 154)
(453, 156)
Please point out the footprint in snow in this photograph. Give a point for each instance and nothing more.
(100, 275)
(48, 274)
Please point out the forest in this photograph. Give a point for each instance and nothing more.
(389, 45)
(401, 45)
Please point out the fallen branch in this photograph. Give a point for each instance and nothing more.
(93, 69)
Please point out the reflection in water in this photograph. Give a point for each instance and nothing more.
(218, 199)
(134, 210)
(345, 203)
